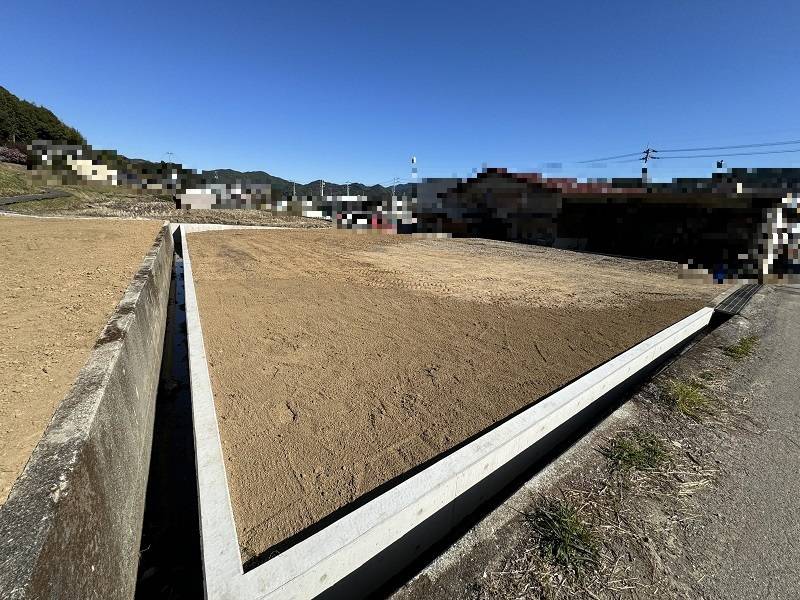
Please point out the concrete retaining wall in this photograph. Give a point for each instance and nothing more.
(72, 523)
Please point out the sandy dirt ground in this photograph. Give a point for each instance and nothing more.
(60, 281)
(339, 361)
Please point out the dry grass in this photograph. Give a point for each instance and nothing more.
(635, 450)
(607, 536)
(560, 556)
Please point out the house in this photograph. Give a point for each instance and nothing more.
(726, 223)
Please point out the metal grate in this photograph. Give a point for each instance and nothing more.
(737, 300)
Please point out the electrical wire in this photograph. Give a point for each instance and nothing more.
(654, 153)
(728, 154)
(610, 157)
(761, 145)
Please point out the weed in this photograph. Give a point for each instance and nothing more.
(635, 450)
(688, 398)
(744, 347)
(563, 538)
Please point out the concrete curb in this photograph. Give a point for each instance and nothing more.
(72, 523)
(218, 538)
(365, 547)
(199, 227)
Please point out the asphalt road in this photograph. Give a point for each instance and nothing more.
(29, 197)
(752, 546)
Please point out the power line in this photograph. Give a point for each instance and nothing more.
(630, 160)
(728, 154)
(651, 153)
(609, 157)
(787, 143)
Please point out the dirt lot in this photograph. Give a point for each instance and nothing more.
(339, 361)
(61, 279)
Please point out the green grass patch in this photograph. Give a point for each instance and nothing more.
(744, 347)
(635, 450)
(688, 398)
(16, 181)
(563, 537)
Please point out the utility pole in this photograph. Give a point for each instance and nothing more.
(648, 155)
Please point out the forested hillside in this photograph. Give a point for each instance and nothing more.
(22, 122)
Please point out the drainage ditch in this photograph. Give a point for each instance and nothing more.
(169, 558)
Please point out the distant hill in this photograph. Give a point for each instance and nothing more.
(312, 188)
(21, 122)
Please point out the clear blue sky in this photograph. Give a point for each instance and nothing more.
(349, 91)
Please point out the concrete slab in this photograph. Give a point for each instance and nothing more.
(72, 522)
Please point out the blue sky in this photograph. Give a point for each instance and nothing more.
(349, 91)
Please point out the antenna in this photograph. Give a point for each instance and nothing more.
(294, 193)
(348, 188)
(394, 183)
(322, 187)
